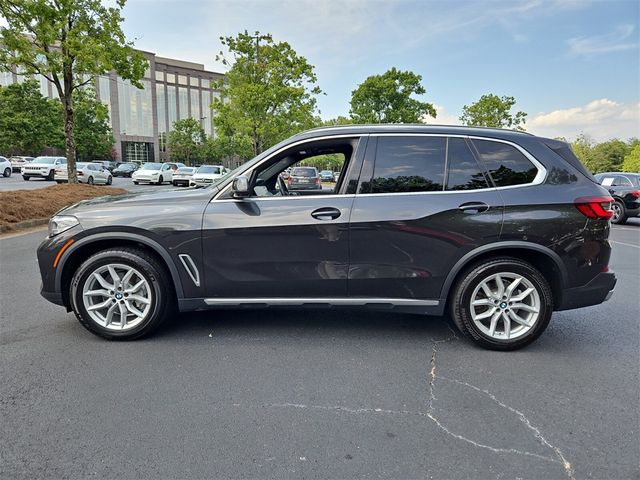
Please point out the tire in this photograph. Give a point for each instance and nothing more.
(109, 180)
(156, 291)
(51, 175)
(7, 172)
(619, 213)
(90, 180)
(59, 182)
(24, 177)
(135, 183)
(469, 288)
(160, 180)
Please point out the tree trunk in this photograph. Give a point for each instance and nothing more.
(69, 141)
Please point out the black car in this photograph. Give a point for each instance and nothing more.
(494, 228)
(625, 190)
(304, 178)
(124, 170)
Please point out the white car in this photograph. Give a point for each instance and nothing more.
(207, 174)
(152, 172)
(42, 167)
(89, 173)
(182, 176)
(18, 162)
(5, 167)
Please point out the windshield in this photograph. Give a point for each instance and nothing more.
(326, 172)
(185, 170)
(151, 166)
(209, 169)
(303, 172)
(45, 160)
(124, 166)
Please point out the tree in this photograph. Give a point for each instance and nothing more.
(29, 122)
(632, 160)
(387, 98)
(93, 136)
(339, 120)
(226, 149)
(269, 91)
(186, 141)
(493, 111)
(68, 42)
(608, 156)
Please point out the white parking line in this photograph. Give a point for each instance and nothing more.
(627, 244)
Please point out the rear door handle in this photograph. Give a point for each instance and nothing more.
(473, 207)
(326, 213)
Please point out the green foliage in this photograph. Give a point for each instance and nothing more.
(387, 98)
(493, 111)
(68, 42)
(187, 141)
(268, 94)
(339, 120)
(631, 162)
(28, 121)
(224, 148)
(94, 139)
(603, 157)
(330, 161)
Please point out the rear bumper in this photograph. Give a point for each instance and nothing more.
(595, 292)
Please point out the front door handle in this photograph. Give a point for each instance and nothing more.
(473, 207)
(326, 213)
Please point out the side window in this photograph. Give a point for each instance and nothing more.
(409, 164)
(505, 163)
(621, 181)
(463, 171)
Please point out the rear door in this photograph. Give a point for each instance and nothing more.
(422, 203)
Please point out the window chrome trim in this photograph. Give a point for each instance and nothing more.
(277, 152)
(292, 197)
(190, 267)
(330, 301)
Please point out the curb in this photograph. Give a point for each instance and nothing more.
(36, 222)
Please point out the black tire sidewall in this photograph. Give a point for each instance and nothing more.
(7, 172)
(622, 218)
(479, 273)
(159, 295)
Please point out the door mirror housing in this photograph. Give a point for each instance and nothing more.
(240, 187)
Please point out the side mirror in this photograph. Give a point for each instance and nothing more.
(240, 187)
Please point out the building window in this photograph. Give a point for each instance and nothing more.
(159, 76)
(44, 86)
(161, 104)
(182, 79)
(194, 81)
(171, 105)
(195, 105)
(137, 152)
(171, 78)
(162, 141)
(206, 112)
(183, 103)
(104, 92)
(135, 108)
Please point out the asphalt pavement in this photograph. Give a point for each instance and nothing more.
(16, 182)
(316, 394)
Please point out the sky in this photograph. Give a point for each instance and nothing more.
(573, 66)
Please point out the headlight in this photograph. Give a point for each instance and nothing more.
(154, 173)
(61, 223)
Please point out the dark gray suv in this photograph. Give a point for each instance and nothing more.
(494, 228)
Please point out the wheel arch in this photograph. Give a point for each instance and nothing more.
(542, 258)
(83, 248)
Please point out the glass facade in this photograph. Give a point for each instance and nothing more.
(182, 79)
(171, 78)
(183, 103)
(104, 92)
(135, 108)
(159, 76)
(161, 104)
(171, 105)
(194, 81)
(137, 152)
(6, 78)
(206, 111)
(195, 104)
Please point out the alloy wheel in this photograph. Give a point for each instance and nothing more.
(505, 306)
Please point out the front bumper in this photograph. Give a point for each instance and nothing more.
(598, 290)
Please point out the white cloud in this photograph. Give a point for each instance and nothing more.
(615, 41)
(601, 119)
(442, 117)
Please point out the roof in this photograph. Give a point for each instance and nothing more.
(414, 128)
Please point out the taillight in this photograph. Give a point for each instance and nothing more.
(635, 193)
(290, 180)
(318, 180)
(594, 207)
(81, 174)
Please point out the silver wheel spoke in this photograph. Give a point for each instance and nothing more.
(123, 315)
(524, 306)
(518, 319)
(486, 314)
(138, 298)
(102, 292)
(135, 288)
(103, 282)
(500, 284)
(512, 286)
(114, 275)
(98, 306)
(506, 321)
(523, 295)
(482, 301)
(110, 312)
(133, 309)
(126, 277)
(487, 291)
(494, 323)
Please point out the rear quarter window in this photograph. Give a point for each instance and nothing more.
(506, 164)
(463, 171)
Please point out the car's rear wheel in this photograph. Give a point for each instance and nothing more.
(121, 294)
(619, 213)
(7, 172)
(90, 180)
(502, 304)
(109, 180)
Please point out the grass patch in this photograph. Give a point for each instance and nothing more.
(23, 205)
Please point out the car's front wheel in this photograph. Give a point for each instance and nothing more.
(7, 172)
(502, 304)
(619, 214)
(160, 180)
(121, 294)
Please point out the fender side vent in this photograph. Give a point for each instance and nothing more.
(190, 267)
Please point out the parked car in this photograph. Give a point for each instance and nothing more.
(336, 176)
(304, 178)
(18, 162)
(208, 174)
(89, 173)
(5, 167)
(109, 165)
(42, 167)
(152, 172)
(124, 170)
(182, 177)
(625, 189)
(326, 176)
(495, 228)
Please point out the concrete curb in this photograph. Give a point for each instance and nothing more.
(14, 227)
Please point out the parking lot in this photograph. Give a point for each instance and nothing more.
(15, 182)
(316, 394)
